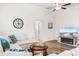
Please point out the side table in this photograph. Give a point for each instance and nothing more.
(38, 47)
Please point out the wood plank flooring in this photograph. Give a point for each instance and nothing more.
(56, 47)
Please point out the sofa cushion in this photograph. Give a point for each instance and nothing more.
(75, 51)
(52, 54)
(15, 46)
(9, 53)
(65, 53)
(16, 53)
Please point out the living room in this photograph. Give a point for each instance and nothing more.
(37, 22)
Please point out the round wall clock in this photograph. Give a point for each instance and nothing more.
(18, 23)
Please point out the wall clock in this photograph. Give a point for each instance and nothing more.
(18, 23)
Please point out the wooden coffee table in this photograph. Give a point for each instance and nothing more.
(38, 48)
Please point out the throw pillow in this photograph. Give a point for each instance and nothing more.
(13, 38)
(4, 43)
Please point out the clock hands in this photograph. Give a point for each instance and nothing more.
(18, 23)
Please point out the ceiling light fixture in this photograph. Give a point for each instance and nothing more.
(60, 6)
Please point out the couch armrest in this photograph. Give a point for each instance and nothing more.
(65, 53)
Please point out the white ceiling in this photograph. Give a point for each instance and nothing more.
(46, 5)
(52, 5)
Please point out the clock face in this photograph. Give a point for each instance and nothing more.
(18, 23)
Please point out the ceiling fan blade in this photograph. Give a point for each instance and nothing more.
(66, 4)
(63, 8)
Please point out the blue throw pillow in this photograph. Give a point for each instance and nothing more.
(13, 38)
(4, 43)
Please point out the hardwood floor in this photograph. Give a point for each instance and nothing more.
(53, 47)
(56, 47)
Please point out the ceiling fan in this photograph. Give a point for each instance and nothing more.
(61, 6)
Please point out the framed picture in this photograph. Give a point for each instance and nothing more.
(50, 25)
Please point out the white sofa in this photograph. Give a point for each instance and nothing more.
(72, 52)
(23, 38)
(15, 53)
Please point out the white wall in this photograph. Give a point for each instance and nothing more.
(29, 13)
(68, 17)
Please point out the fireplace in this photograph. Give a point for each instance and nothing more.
(67, 40)
(68, 35)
